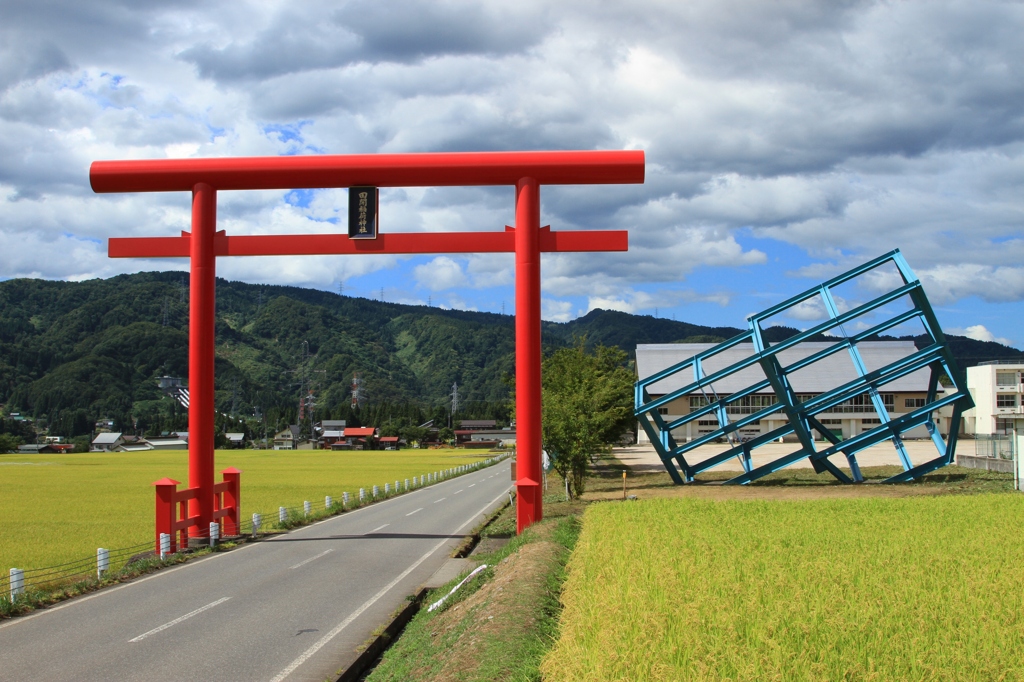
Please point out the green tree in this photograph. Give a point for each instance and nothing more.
(587, 405)
(9, 443)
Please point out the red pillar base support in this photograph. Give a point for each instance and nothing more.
(528, 503)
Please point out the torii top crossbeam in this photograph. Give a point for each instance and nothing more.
(525, 170)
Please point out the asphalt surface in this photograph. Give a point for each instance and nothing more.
(294, 608)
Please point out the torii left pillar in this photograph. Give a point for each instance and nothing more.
(201, 352)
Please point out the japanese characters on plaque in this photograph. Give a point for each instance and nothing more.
(362, 212)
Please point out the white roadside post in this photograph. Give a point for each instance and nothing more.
(407, 484)
(328, 502)
(376, 492)
(1018, 456)
(257, 521)
(396, 486)
(214, 533)
(362, 494)
(344, 499)
(306, 508)
(102, 562)
(17, 583)
(282, 515)
(165, 545)
(387, 488)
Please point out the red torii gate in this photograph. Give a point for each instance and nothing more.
(527, 171)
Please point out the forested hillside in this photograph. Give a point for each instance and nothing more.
(75, 352)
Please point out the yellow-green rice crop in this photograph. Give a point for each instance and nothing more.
(911, 588)
(55, 508)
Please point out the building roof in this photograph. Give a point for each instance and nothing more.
(477, 424)
(389, 439)
(168, 443)
(234, 437)
(332, 434)
(107, 438)
(135, 447)
(34, 448)
(332, 424)
(357, 431)
(822, 376)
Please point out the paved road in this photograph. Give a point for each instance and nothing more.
(294, 607)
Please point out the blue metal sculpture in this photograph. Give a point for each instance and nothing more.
(803, 414)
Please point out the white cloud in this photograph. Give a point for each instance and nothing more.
(439, 274)
(554, 310)
(842, 130)
(978, 332)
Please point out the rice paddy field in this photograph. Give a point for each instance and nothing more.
(911, 588)
(57, 508)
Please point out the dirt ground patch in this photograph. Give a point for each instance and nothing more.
(501, 610)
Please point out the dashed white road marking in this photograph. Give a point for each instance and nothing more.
(413, 512)
(458, 491)
(378, 528)
(441, 500)
(472, 484)
(178, 620)
(312, 558)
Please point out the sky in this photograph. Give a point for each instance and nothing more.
(785, 141)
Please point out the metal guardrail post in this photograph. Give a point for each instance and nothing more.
(102, 562)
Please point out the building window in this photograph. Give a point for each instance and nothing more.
(862, 403)
(831, 422)
(913, 403)
(1006, 400)
(663, 410)
(750, 404)
(697, 402)
(870, 421)
(707, 422)
(1006, 378)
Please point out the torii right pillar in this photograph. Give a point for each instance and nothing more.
(529, 505)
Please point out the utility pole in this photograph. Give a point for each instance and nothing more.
(455, 403)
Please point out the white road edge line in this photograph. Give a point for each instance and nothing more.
(413, 512)
(178, 620)
(312, 558)
(311, 651)
(378, 528)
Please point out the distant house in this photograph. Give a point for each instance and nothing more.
(104, 425)
(33, 449)
(330, 437)
(107, 442)
(287, 439)
(235, 440)
(358, 438)
(389, 442)
(485, 438)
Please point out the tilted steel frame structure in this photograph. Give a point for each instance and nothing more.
(802, 416)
